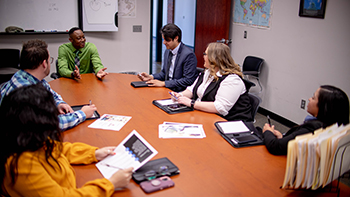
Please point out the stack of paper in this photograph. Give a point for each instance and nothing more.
(181, 130)
(315, 160)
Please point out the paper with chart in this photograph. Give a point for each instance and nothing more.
(133, 151)
(110, 122)
(180, 130)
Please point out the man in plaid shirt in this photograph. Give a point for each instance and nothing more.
(35, 65)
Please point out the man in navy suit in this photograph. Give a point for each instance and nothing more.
(179, 64)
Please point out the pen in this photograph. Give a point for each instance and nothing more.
(268, 119)
(173, 95)
(111, 166)
(90, 102)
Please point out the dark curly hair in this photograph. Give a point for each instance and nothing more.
(31, 113)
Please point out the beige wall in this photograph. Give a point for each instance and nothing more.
(300, 53)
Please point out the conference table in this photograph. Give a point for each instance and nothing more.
(208, 167)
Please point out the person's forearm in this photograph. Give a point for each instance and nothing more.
(207, 106)
(187, 93)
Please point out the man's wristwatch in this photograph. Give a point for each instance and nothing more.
(192, 103)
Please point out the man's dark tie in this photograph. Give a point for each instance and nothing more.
(76, 60)
(170, 57)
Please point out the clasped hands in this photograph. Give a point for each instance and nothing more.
(267, 127)
(150, 80)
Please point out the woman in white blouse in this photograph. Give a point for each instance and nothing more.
(220, 88)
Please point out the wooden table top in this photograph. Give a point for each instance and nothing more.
(208, 166)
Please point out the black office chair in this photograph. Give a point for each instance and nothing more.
(9, 63)
(56, 74)
(199, 69)
(252, 66)
(255, 102)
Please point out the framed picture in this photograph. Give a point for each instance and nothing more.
(312, 8)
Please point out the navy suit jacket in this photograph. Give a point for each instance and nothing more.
(185, 69)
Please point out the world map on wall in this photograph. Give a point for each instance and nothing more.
(253, 12)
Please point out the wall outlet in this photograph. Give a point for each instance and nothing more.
(245, 35)
(302, 105)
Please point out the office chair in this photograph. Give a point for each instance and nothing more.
(9, 63)
(199, 69)
(56, 74)
(252, 66)
(255, 102)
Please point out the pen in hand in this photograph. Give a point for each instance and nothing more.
(268, 119)
(173, 95)
(90, 102)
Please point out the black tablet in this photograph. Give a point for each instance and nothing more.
(78, 107)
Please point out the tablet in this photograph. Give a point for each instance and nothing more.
(78, 107)
(175, 107)
(245, 139)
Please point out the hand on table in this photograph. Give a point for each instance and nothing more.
(64, 108)
(156, 83)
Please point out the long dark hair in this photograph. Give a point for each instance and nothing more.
(333, 106)
(32, 118)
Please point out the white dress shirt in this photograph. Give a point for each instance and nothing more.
(231, 88)
(171, 70)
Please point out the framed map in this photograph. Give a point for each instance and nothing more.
(312, 8)
(255, 13)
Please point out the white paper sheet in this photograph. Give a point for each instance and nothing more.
(233, 127)
(110, 122)
(133, 151)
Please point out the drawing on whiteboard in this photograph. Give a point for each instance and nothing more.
(100, 11)
(96, 4)
(53, 7)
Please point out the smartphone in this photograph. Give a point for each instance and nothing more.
(245, 139)
(175, 107)
(157, 184)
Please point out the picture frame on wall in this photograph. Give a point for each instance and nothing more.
(312, 8)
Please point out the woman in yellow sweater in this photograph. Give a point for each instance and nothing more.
(34, 161)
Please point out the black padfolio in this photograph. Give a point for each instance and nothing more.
(139, 84)
(154, 169)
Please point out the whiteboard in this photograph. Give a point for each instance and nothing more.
(100, 15)
(39, 15)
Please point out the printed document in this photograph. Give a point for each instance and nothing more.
(133, 151)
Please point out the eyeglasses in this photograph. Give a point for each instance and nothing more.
(51, 60)
(152, 174)
(204, 53)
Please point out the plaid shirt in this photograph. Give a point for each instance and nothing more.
(22, 78)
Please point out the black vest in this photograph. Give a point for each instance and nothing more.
(241, 110)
